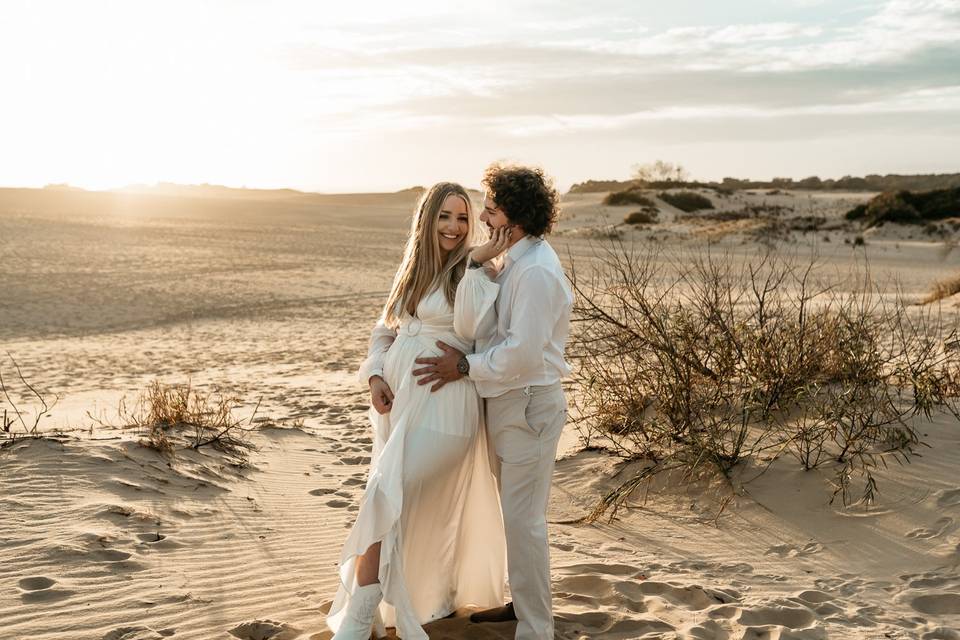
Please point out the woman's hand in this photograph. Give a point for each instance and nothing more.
(381, 397)
(496, 245)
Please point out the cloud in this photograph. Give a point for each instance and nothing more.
(945, 100)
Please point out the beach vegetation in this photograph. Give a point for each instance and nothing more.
(23, 411)
(168, 416)
(908, 207)
(647, 215)
(687, 201)
(629, 196)
(710, 365)
(943, 289)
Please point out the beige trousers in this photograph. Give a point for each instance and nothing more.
(524, 427)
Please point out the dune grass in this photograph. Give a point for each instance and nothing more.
(169, 415)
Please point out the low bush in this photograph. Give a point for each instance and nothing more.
(726, 216)
(807, 223)
(712, 365)
(629, 196)
(646, 216)
(908, 207)
(687, 201)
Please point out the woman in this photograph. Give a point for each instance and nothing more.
(428, 538)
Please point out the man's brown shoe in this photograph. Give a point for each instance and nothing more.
(498, 614)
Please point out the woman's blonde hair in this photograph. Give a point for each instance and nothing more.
(423, 267)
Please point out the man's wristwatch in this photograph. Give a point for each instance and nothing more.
(463, 366)
(473, 264)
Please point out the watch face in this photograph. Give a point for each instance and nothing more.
(463, 366)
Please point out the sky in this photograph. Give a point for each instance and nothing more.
(371, 95)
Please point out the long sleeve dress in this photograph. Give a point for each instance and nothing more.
(431, 496)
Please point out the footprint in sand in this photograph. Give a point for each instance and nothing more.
(138, 633)
(351, 460)
(925, 580)
(812, 596)
(37, 590)
(338, 504)
(777, 614)
(36, 583)
(151, 537)
(108, 555)
(264, 630)
(941, 633)
(793, 551)
(691, 597)
(725, 612)
(709, 630)
(949, 498)
(937, 604)
(597, 624)
(322, 491)
(353, 482)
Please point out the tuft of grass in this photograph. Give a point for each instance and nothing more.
(943, 289)
(170, 413)
(687, 201)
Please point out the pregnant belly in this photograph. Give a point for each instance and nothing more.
(400, 362)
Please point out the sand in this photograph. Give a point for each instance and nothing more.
(272, 298)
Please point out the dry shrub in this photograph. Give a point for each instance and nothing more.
(14, 415)
(171, 413)
(649, 215)
(725, 216)
(943, 289)
(707, 364)
(687, 201)
(628, 196)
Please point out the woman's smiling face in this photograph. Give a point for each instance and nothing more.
(453, 223)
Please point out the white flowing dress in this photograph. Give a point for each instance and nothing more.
(431, 496)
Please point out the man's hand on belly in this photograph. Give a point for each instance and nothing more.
(439, 370)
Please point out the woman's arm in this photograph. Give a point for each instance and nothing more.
(474, 311)
(381, 338)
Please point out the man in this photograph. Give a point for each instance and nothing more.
(517, 369)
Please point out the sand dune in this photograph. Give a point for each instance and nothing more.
(102, 538)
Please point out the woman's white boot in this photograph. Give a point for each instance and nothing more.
(362, 615)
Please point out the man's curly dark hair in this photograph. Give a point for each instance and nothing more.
(525, 194)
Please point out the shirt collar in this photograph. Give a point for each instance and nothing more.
(523, 245)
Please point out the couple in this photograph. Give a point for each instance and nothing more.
(464, 370)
